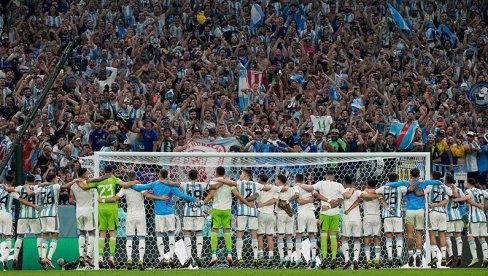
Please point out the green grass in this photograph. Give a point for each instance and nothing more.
(266, 272)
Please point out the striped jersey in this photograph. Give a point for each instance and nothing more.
(453, 207)
(436, 194)
(84, 199)
(27, 212)
(49, 196)
(302, 194)
(246, 189)
(476, 214)
(6, 199)
(196, 190)
(393, 197)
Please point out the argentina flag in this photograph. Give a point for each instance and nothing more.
(404, 133)
(257, 17)
(399, 21)
(246, 80)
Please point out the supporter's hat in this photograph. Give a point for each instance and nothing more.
(37, 177)
(470, 133)
(334, 130)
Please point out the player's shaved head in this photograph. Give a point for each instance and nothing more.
(193, 174)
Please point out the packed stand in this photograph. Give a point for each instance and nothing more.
(154, 75)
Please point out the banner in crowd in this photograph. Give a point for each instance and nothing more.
(246, 80)
(443, 169)
(404, 133)
(321, 123)
(205, 145)
(380, 127)
(479, 94)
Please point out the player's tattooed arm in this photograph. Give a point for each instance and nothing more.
(28, 203)
(238, 195)
(321, 197)
(304, 201)
(114, 198)
(225, 181)
(209, 196)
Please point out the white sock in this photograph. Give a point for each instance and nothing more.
(39, 246)
(199, 245)
(418, 252)
(52, 248)
(2, 249)
(389, 248)
(484, 248)
(459, 243)
(443, 252)
(313, 248)
(81, 245)
(171, 241)
(142, 248)
(377, 253)
(254, 244)
(44, 249)
(89, 246)
(298, 245)
(345, 250)
(399, 247)
(449, 246)
(270, 254)
(472, 248)
(18, 245)
(433, 250)
(281, 246)
(239, 246)
(128, 248)
(187, 240)
(289, 247)
(8, 245)
(160, 243)
(367, 252)
(357, 250)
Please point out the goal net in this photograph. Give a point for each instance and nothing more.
(360, 166)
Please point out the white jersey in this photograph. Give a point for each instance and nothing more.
(354, 214)
(331, 190)
(393, 197)
(49, 197)
(436, 194)
(6, 199)
(27, 212)
(222, 199)
(291, 192)
(476, 214)
(134, 201)
(371, 207)
(84, 199)
(246, 189)
(196, 190)
(302, 194)
(453, 207)
(264, 196)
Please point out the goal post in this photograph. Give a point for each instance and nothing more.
(360, 166)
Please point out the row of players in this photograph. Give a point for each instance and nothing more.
(260, 206)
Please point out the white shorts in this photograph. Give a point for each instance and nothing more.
(455, 226)
(85, 220)
(371, 226)
(393, 225)
(285, 224)
(306, 221)
(437, 221)
(5, 223)
(26, 226)
(193, 223)
(266, 224)
(415, 218)
(250, 222)
(135, 223)
(49, 224)
(351, 228)
(477, 229)
(165, 223)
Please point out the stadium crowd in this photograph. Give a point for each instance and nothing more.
(153, 75)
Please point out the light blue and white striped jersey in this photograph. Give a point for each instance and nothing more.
(453, 207)
(476, 214)
(27, 212)
(49, 196)
(394, 197)
(436, 194)
(196, 190)
(6, 199)
(246, 189)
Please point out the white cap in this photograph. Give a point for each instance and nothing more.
(464, 85)
(470, 133)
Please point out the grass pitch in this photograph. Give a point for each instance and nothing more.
(252, 272)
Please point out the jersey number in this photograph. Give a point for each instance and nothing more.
(437, 197)
(392, 198)
(248, 192)
(3, 200)
(31, 199)
(47, 198)
(106, 190)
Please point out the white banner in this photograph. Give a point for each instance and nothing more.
(321, 123)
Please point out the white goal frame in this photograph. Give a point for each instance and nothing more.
(99, 156)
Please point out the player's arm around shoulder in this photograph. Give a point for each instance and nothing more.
(149, 195)
(114, 198)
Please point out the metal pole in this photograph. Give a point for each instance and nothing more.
(19, 181)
